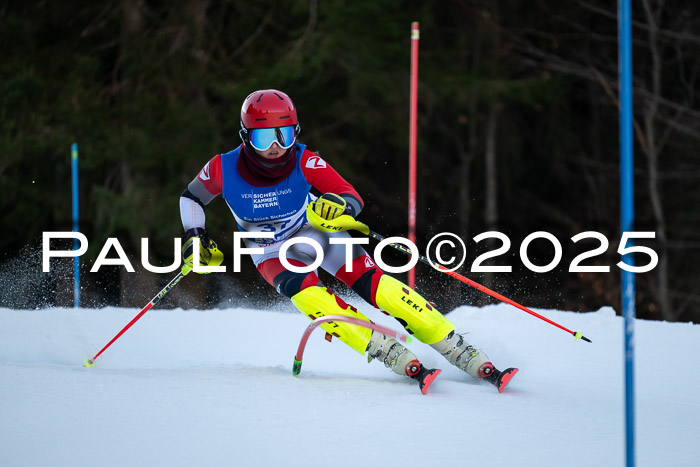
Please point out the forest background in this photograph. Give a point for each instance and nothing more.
(517, 133)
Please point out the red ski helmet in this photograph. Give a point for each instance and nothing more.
(268, 108)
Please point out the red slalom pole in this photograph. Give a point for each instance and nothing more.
(91, 361)
(296, 369)
(412, 145)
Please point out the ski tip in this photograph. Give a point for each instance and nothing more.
(428, 380)
(88, 363)
(505, 377)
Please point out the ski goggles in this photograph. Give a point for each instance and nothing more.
(262, 138)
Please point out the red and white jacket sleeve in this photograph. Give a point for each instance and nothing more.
(206, 186)
(325, 179)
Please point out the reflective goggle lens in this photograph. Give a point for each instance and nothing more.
(262, 138)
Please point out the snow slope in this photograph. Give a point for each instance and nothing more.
(193, 388)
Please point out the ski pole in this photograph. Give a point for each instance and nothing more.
(296, 369)
(359, 226)
(91, 361)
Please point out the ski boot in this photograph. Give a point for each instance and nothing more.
(400, 360)
(473, 361)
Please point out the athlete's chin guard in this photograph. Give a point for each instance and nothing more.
(339, 224)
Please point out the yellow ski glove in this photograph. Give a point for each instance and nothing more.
(330, 206)
(327, 214)
(209, 253)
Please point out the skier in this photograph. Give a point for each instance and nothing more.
(267, 182)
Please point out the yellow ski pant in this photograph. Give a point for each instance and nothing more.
(414, 313)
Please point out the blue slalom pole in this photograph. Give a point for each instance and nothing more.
(76, 244)
(627, 216)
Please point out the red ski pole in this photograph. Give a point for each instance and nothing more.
(577, 335)
(364, 229)
(91, 361)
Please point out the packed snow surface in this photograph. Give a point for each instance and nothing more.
(215, 388)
